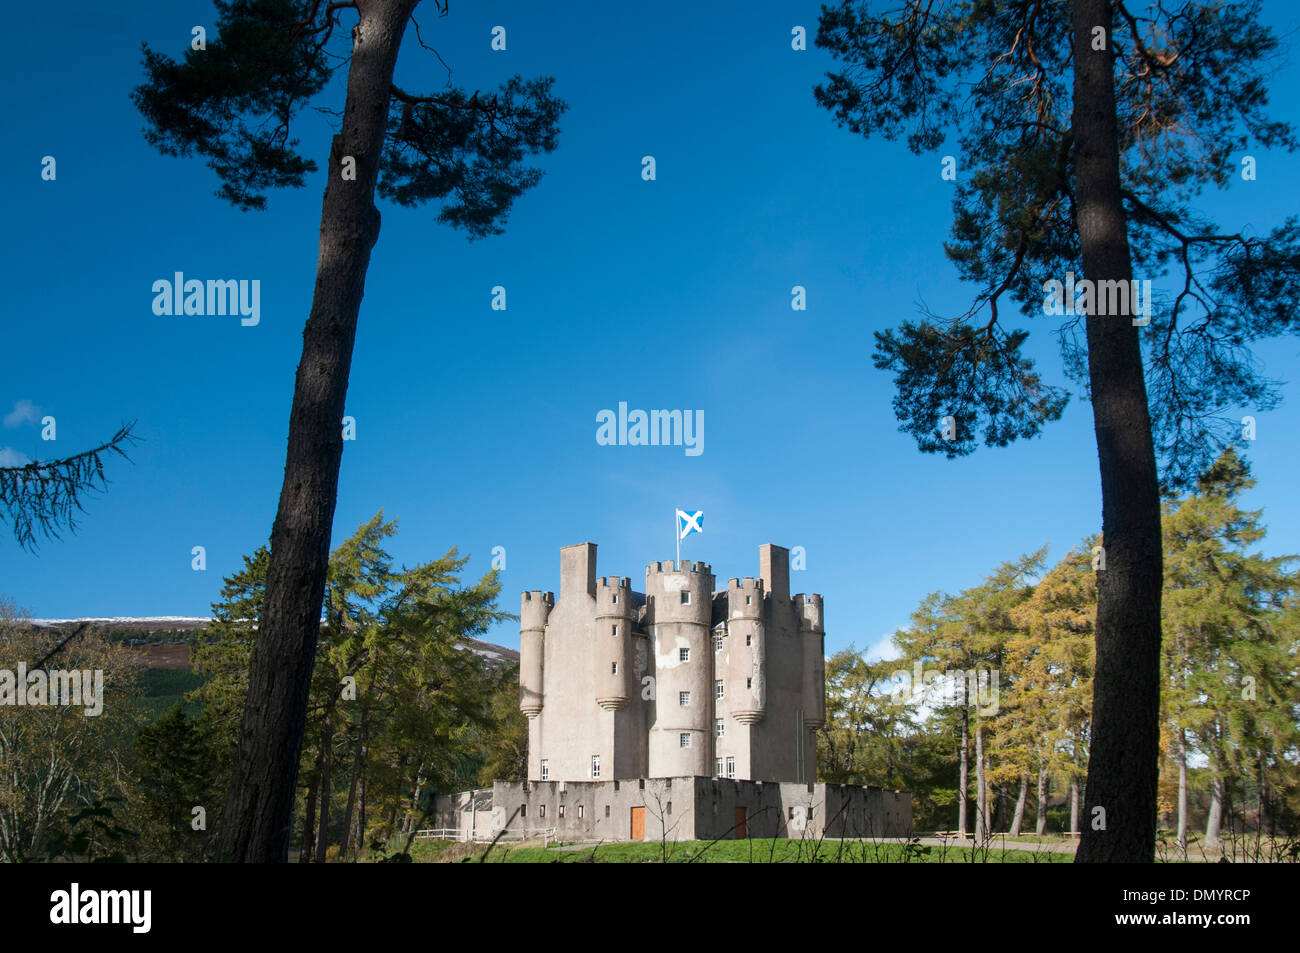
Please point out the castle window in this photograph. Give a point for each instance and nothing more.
(684, 699)
(579, 812)
(686, 597)
(614, 630)
(717, 770)
(523, 810)
(615, 599)
(717, 643)
(546, 770)
(717, 689)
(561, 810)
(613, 668)
(595, 767)
(541, 811)
(670, 807)
(749, 683)
(719, 728)
(607, 810)
(748, 638)
(683, 655)
(731, 767)
(684, 739)
(748, 600)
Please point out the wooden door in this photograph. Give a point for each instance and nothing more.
(638, 823)
(742, 816)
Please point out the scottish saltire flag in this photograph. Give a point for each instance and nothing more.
(688, 523)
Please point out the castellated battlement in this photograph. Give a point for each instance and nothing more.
(685, 565)
(809, 606)
(535, 609)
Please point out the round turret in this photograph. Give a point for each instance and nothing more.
(534, 610)
(612, 652)
(679, 613)
(746, 651)
(811, 630)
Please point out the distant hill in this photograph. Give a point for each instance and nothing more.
(179, 628)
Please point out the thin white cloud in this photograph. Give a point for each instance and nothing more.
(24, 412)
(9, 457)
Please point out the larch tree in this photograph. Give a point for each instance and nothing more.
(233, 103)
(1085, 129)
(1229, 660)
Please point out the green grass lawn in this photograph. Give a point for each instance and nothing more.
(759, 851)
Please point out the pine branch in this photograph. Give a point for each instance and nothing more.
(46, 496)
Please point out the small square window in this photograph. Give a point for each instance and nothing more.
(748, 639)
(717, 689)
(684, 699)
(686, 597)
(684, 739)
(683, 655)
(613, 668)
(719, 728)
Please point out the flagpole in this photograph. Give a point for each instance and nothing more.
(677, 533)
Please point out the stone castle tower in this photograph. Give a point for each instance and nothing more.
(675, 681)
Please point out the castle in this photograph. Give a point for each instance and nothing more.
(677, 712)
(675, 681)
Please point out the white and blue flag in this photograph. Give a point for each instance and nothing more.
(688, 523)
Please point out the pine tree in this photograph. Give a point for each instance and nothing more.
(1083, 132)
(233, 103)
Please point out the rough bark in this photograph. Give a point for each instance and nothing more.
(981, 789)
(259, 806)
(309, 820)
(1124, 750)
(1074, 805)
(326, 782)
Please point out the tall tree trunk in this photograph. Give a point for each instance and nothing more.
(309, 819)
(1182, 791)
(1040, 825)
(964, 781)
(326, 783)
(1125, 748)
(259, 806)
(1074, 805)
(1018, 817)
(1215, 819)
(981, 789)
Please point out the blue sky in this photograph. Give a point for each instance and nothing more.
(476, 428)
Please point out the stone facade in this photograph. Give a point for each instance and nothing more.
(676, 681)
(681, 809)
